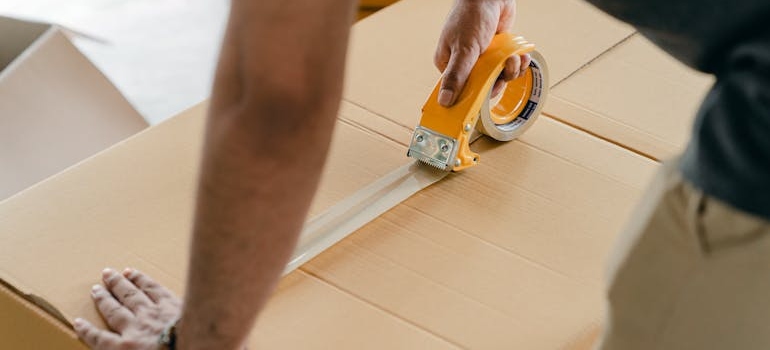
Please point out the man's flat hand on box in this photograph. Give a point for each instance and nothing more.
(136, 308)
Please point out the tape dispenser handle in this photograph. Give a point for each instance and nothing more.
(459, 120)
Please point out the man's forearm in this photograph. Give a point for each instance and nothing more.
(276, 96)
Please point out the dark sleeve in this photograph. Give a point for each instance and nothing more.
(729, 154)
(697, 32)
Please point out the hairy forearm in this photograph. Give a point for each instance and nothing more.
(272, 113)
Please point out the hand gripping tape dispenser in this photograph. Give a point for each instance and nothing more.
(444, 135)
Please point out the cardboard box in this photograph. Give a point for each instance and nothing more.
(484, 258)
(634, 95)
(508, 254)
(56, 108)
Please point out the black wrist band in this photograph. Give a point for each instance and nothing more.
(167, 340)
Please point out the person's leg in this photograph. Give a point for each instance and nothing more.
(689, 273)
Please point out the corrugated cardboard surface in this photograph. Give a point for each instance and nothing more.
(23, 325)
(508, 254)
(634, 95)
(486, 257)
(56, 108)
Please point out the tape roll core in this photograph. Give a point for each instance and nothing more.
(507, 116)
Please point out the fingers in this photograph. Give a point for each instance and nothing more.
(152, 289)
(525, 61)
(441, 57)
(512, 68)
(125, 291)
(128, 307)
(456, 74)
(515, 67)
(94, 337)
(498, 87)
(507, 17)
(459, 67)
(116, 315)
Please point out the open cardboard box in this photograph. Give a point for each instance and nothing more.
(508, 254)
(56, 108)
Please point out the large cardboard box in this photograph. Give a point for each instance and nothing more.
(485, 258)
(508, 254)
(56, 108)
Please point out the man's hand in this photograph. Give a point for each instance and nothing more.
(136, 308)
(467, 33)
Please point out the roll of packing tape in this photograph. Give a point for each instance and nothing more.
(442, 138)
(508, 115)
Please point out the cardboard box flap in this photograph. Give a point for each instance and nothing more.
(390, 69)
(30, 327)
(635, 95)
(132, 205)
(508, 254)
(57, 109)
(18, 35)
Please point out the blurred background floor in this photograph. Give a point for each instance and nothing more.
(160, 53)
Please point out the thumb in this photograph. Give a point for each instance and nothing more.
(456, 74)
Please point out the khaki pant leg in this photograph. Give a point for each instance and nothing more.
(689, 272)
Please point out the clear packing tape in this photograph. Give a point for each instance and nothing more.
(440, 143)
(355, 211)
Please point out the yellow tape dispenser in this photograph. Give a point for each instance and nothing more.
(443, 137)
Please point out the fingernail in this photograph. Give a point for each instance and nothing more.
(78, 322)
(108, 272)
(128, 271)
(445, 97)
(95, 288)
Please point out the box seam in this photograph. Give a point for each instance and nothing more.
(336, 287)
